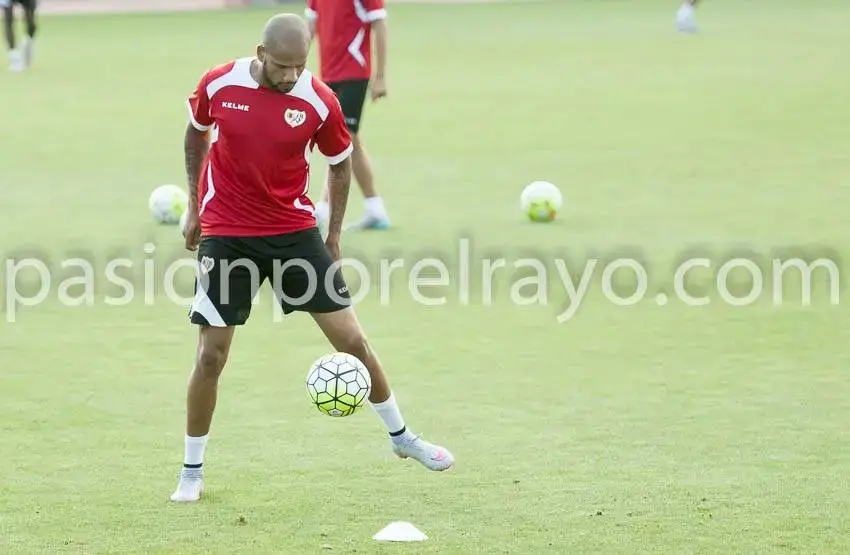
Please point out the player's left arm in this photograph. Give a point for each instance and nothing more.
(339, 183)
(334, 141)
(376, 14)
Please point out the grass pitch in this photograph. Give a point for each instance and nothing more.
(625, 429)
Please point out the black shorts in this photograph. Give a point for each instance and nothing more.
(25, 4)
(232, 269)
(352, 97)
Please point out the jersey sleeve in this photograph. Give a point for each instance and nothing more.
(333, 138)
(198, 104)
(311, 11)
(375, 10)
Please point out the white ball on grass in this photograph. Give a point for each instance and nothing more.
(541, 201)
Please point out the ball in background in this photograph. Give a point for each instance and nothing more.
(541, 201)
(168, 203)
(338, 384)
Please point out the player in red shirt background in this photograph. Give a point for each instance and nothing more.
(344, 29)
(253, 125)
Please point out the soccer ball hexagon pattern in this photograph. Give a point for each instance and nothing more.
(338, 384)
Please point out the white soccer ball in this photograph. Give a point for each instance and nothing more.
(338, 384)
(541, 201)
(168, 203)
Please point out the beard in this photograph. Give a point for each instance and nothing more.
(280, 86)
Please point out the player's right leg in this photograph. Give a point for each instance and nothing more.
(213, 349)
(226, 284)
(15, 59)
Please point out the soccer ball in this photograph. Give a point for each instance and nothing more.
(541, 201)
(167, 203)
(338, 384)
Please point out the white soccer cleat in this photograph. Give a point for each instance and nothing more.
(191, 486)
(16, 61)
(369, 222)
(686, 19)
(432, 457)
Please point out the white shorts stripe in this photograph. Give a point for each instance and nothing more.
(204, 306)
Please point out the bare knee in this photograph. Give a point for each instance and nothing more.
(355, 343)
(211, 361)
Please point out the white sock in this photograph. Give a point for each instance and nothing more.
(195, 447)
(389, 413)
(323, 210)
(375, 207)
(686, 10)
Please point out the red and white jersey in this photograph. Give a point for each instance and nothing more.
(256, 177)
(344, 34)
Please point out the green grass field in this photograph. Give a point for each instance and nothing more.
(625, 429)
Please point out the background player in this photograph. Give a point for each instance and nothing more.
(19, 59)
(344, 29)
(685, 16)
(251, 122)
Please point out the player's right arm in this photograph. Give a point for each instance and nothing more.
(195, 149)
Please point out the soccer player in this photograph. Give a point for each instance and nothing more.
(253, 124)
(344, 29)
(19, 59)
(685, 16)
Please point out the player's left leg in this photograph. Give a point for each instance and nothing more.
(346, 335)
(344, 332)
(30, 7)
(361, 165)
(686, 17)
(318, 287)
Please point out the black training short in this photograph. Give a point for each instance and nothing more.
(232, 269)
(30, 5)
(352, 97)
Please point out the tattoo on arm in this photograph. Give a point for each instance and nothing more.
(195, 147)
(338, 185)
